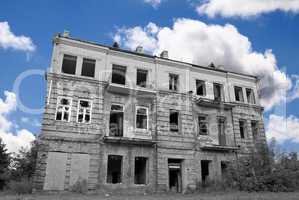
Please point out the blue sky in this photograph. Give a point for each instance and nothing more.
(100, 21)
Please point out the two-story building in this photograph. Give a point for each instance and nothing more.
(124, 120)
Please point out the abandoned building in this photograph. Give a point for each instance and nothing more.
(121, 120)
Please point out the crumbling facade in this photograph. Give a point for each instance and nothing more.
(125, 120)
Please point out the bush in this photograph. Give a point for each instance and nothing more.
(23, 186)
(80, 186)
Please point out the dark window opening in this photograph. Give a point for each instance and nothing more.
(88, 67)
(141, 78)
(118, 74)
(116, 121)
(218, 96)
(221, 131)
(174, 120)
(254, 128)
(205, 171)
(84, 111)
(173, 82)
(242, 128)
(140, 170)
(250, 96)
(69, 64)
(114, 169)
(202, 125)
(239, 94)
(200, 88)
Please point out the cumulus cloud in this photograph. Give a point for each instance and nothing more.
(283, 128)
(23, 137)
(9, 40)
(199, 43)
(245, 8)
(154, 3)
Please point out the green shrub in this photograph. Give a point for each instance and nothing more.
(23, 186)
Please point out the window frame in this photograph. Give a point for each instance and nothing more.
(70, 112)
(252, 92)
(70, 55)
(205, 121)
(147, 75)
(94, 72)
(244, 128)
(147, 118)
(256, 122)
(121, 169)
(221, 85)
(84, 113)
(239, 87)
(114, 65)
(178, 128)
(146, 170)
(204, 87)
(170, 75)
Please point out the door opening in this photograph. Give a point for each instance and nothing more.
(175, 175)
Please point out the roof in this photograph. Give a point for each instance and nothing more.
(155, 57)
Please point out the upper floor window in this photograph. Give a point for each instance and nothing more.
(141, 117)
(69, 64)
(141, 77)
(200, 88)
(239, 94)
(174, 120)
(202, 125)
(173, 82)
(242, 128)
(221, 131)
(218, 92)
(250, 96)
(84, 111)
(254, 129)
(118, 74)
(63, 111)
(88, 67)
(116, 120)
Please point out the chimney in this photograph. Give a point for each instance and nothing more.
(139, 49)
(115, 45)
(164, 54)
(66, 33)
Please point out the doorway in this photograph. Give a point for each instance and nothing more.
(175, 175)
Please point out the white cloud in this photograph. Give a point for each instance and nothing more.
(282, 128)
(23, 137)
(9, 40)
(246, 8)
(154, 3)
(199, 43)
(31, 122)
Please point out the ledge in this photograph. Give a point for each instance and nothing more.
(126, 140)
(126, 90)
(219, 148)
(213, 103)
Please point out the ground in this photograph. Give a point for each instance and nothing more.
(203, 196)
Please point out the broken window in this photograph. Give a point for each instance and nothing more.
(218, 96)
(141, 117)
(202, 125)
(224, 168)
(173, 82)
(84, 111)
(116, 120)
(140, 170)
(205, 170)
(175, 175)
(242, 128)
(118, 74)
(88, 67)
(69, 64)
(114, 169)
(174, 120)
(200, 88)
(141, 77)
(254, 129)
(221, 131)
(63, 110)
(250, 96)
(239, 94)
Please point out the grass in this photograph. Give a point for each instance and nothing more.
(200, 196)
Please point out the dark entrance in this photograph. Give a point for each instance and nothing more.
(175, 175)
(205, 171)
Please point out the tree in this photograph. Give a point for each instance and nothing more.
(4, 165)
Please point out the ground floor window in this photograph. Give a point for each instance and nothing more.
(114, 169)
(140, 170)
(205, 170)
